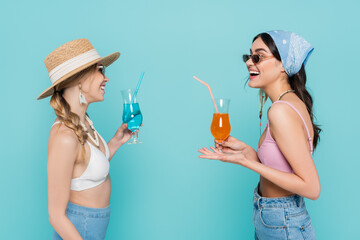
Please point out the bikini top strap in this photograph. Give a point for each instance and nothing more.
(56, 123)
(307, 130)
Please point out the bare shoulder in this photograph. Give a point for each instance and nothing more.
(63, 139)
(282, 115)
(280, 112)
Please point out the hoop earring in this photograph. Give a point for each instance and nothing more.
(82, 98)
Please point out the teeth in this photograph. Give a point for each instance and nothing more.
(102, 88)
(254, 73)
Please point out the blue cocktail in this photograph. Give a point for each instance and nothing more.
(131, 114)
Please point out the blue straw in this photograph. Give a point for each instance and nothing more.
(137, 87)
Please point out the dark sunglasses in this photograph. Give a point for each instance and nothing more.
(256, 58)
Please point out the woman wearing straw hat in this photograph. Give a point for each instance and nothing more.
(78, 157)
(284, 154)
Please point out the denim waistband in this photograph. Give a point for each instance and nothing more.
(281, 202)
(87, 211)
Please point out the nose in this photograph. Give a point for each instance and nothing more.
(106, 79)
(249, 63)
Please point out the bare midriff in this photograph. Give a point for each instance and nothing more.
(96, 197)
(270, 190)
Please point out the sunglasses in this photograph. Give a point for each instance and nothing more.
(101, 69)
(256, 58)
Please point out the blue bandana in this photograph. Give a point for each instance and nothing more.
(293, 49)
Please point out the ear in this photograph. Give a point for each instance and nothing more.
(282, 69)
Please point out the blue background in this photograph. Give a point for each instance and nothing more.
(160, 189)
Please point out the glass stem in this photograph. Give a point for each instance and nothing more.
(135, 134)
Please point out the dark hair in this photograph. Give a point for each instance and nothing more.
(297, 83)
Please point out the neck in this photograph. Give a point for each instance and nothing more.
(71, 95)
(274, 91)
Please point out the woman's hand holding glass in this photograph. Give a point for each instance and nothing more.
(230, 150)
(123, 134)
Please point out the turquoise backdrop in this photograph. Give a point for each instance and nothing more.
(160, 188)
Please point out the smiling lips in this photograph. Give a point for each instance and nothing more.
(102, 87)
(253, 74)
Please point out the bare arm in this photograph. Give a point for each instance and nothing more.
(289, 135)
(122, 135)
(288, 131)
(62, 153)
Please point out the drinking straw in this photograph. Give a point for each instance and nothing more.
(212, 96)
(137, 87)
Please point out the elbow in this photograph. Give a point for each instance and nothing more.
(317, 194)
(314, 193)
(54, 219)
(314, 196)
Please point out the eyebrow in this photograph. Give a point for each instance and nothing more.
(258, 50)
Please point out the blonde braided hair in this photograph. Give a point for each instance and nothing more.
(63, 110)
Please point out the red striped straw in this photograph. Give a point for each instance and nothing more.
(212, 96)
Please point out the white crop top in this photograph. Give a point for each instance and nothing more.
(97, 170)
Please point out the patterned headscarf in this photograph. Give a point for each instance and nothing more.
(293, 49)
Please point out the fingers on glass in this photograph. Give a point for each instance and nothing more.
(215, 150)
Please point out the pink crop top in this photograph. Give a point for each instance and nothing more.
(269, 152)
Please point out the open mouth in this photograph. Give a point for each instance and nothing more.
(253, 73)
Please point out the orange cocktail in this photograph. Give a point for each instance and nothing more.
(220, 126)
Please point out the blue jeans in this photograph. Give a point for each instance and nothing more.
(91, 223)
(281, 218)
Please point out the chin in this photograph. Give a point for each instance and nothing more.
(253, 84)
(100, 99)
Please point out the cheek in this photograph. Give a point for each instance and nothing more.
(86, 87)
(271, 71)
(95, 85)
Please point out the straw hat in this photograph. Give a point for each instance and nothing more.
(71, 58)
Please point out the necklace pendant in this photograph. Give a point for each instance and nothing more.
(96, 140)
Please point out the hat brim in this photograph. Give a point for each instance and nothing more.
(106, 61)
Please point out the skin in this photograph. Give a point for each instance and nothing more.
(286, 128)
(65, 163)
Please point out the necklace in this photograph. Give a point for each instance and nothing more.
(96, 140)
(284, 94)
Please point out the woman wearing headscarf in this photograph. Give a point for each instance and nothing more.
(284, 153)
